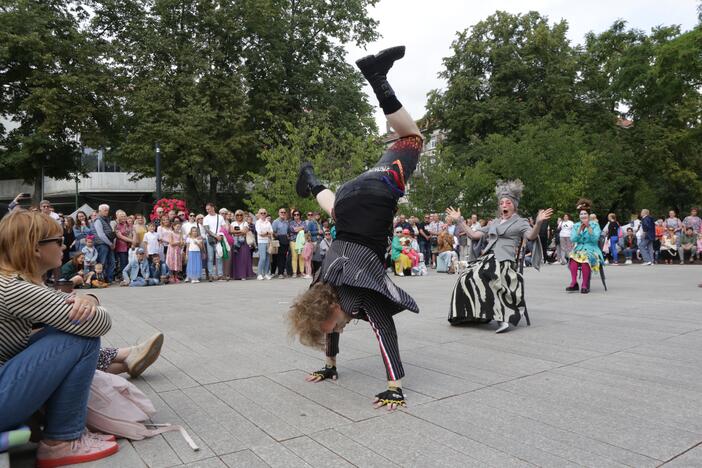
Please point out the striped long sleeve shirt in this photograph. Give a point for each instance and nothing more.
(23, 304)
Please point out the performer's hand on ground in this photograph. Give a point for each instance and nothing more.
(454, 214)
(391, 398)
(322, 374)
(544, 215)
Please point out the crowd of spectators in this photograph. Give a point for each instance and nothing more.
(108, 248)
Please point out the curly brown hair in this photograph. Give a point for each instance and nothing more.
(308, 312)
(584, 204)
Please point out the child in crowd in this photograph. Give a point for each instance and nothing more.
(151, 242)
(195, 246)
(91, 255)
(159, 269)
(174, 256)
(99, 280)
(420, 269)
(406, 242)
(307, 252)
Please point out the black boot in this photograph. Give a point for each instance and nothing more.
(572, 288)
(307, 181)
(375, 69)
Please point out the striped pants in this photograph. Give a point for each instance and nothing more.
(383, 327)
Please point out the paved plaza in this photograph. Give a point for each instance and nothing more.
(603, 380)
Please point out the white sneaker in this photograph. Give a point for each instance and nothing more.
(195, 281)
(143, 355)
(504, 326)
(606, 262)
(628, 262)
(268, 277)
(259, 277)
(648, 264)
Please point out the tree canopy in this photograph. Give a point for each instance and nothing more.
(616, 119)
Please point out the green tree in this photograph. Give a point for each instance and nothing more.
(336, 154)
(522, 102)
(54, 88)
(214, 81)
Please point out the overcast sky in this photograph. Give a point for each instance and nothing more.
(428, 27)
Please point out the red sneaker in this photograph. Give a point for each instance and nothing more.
(81, 450)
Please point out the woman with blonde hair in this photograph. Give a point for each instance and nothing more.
(52, 367)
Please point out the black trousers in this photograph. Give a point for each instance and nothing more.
(282, 257)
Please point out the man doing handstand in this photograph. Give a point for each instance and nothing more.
(352, 283)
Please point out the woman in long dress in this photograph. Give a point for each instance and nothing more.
(586, 254)
(491, 288)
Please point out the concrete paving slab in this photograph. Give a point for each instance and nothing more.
(598, 380)
(244, 459)
(315, 454)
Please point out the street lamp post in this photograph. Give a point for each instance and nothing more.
(158, 171)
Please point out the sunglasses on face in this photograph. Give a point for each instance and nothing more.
(57, 240)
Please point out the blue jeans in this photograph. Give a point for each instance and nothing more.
(646, 249)
(123, 260)
(106, 257)
(211, 256)
(264, 259)
(138, 281)
(629, 253)
(55, 371)
(613, 248)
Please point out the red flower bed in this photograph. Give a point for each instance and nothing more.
(168, 204)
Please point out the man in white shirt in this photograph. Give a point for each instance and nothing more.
(264, 232)
(212, 222)
(47, 209)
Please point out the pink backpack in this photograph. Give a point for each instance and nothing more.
(118, 407)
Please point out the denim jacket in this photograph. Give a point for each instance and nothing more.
(131, 271)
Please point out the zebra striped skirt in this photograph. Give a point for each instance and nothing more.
(488, 290)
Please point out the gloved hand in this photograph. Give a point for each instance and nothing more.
(392, 398)
(327, 372)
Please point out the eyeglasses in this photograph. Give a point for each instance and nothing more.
(57, 240)
(192, 215)
(296, 214)
(309, 214)
(282, 212)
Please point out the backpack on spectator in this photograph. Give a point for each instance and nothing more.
(118, 407)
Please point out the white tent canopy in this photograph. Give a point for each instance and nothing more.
(85, 209)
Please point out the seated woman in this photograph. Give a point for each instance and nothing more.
(400, 260)
(491, 288)
(447, 256)
(72, 271)
(586, 253)
(54, 366)
(629, 245)
(669, 248)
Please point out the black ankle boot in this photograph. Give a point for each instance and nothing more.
(306, 180)
(375, 69)
(572, 288)
(584, 290)
(380, 63)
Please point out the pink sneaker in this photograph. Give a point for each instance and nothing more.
(99, 436)
(81, 450)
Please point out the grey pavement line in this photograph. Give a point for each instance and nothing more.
(332, 451)
(253, 422)
(680, 454)
(535, 420)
